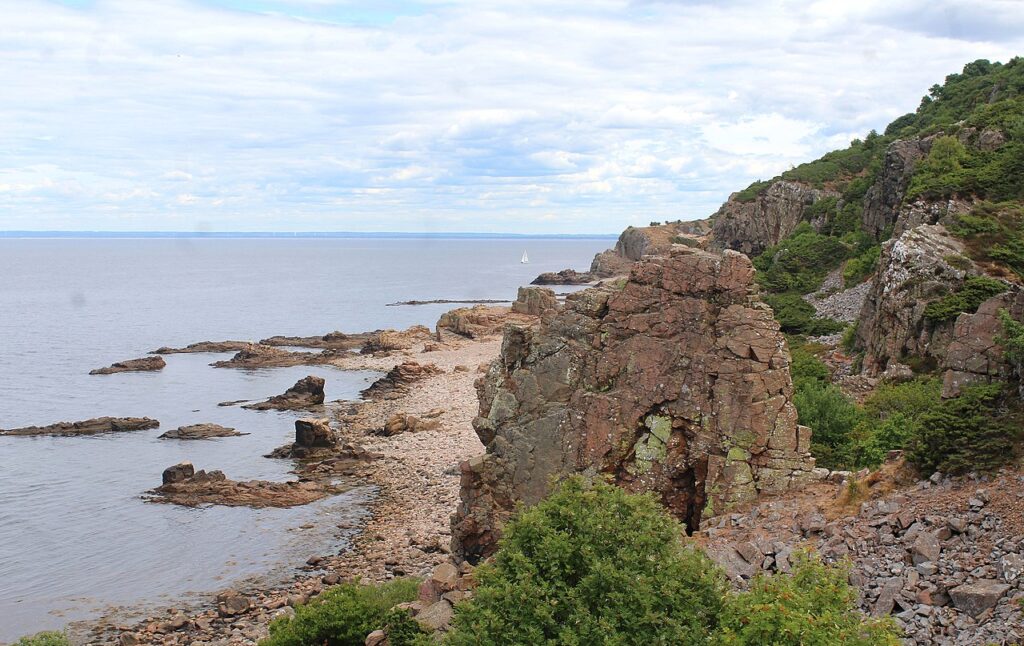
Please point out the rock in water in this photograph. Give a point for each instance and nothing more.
(677, 383)
(564, 277)
(313, 434)
(145, 364)
(200, 432)
(178, 473)
(87, 427)
(307, 392)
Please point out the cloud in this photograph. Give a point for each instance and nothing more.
(544, 116)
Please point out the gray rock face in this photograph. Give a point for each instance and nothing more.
(914, 270)
(753, 226)
(677, 383)
(884, 199)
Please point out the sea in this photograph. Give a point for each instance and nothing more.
(77, 541)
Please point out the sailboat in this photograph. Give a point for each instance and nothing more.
(526, 259)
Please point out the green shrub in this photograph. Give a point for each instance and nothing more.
(750, 193)
(848, 342)
(972, 432)
(814, 606)
(994, 233)
(892, 418)
(797, 316)
(341, 616)
(800, 262)
(805, 368)
(592, 564)
(859, 268)
(832, 417)
(1012, 340)
(973, 293)
(48, 638)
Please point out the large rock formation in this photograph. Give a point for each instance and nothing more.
(534, 301)
(677, 383)
(974, 355)
(753, 226)
(884, 199)
(914, 269)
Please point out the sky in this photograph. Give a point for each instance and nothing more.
(550, 116)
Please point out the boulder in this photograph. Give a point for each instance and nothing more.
(145, 364)
(405, 423)
(392, 340)
(534, 301)
(312, 434)
(307, 392)
(926, 548)
(976, 598)
(178, 473)
(232, 603)
(675, 382)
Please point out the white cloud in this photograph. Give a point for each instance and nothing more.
(467, 114)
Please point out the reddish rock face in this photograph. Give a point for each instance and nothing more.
(677, 383)
(974, 355)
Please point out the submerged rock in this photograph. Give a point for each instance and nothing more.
(206, 346)
(87, 427)
(307, 392)
(200, 432)
(677, 383)
(145, 364)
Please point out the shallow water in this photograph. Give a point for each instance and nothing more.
(75, 537)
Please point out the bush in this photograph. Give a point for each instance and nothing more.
(972, 432)
(891, 419)
(1012, 340)
(973, 293)
(797, 316)
(832, 418)
(48, 638)
(341, 616)
(994, 233)
(800, 262)
(750, 193)
(813, 606)
(592, 564)
(862, 266)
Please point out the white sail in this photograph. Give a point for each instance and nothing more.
(525, 259)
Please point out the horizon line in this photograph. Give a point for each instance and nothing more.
(290, 234)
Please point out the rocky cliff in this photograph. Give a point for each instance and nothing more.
(753, 225)
(677, 383)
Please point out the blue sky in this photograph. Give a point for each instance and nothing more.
(447, 115)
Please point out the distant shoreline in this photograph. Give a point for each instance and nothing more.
(304, 234)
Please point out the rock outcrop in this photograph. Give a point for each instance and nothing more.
(330, 341)
(974, 354)
(200, 432)
(145, 364)
(755, 225)
(306, 393)
(477, 321)
(534, 301)
(183, 485)
(678, 383)
(405, 423)
(914, 269)
(87, 427)
(884, 199)
(255, 355)
(391, 340)
(398, 378)
(565, 277)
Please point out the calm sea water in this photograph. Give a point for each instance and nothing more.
(75, 538)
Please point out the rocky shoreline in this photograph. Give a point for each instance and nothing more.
(407, 438)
